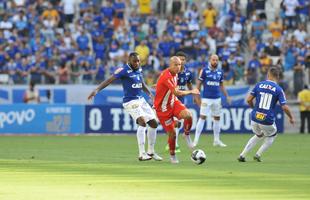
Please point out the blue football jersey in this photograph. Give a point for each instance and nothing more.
(131, 81)
(211, 80)
(267, 94)
(184, 78)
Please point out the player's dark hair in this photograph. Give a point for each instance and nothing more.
(132, 54)
(181, 53)
(275, 72)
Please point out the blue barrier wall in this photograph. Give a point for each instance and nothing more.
(113, 119)
(79, 119)
(42, 119)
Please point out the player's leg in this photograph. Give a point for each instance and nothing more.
(252, 141)
(177, 129)
(141, 139)
(216, 113)
(167, 121)
(183, 113)
(201, 121)
(302, 120)
(151, 137)
(134, 109)
(270, 133)
(150, 117)
(308, 120)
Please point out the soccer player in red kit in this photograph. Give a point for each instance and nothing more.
(168, 106)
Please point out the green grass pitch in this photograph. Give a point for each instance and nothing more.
(106, 168)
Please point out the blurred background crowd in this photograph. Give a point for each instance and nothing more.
(84, 41)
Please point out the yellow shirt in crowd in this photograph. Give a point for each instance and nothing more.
(209, 16)
(276, 29)
(145, 6)
(304, 97)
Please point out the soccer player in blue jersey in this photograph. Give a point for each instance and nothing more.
(212, 80)
(133, 103)
(184, 80)
(266, 94)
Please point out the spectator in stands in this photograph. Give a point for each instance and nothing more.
(266, 63)
(239, 73)
(290, 7)
(229, 74)
(144, 51)
(63, 73)
(300, 33)
(51, 16)
(209, 15)
(258, 27)
(31, 95)
(303, 11)
(237, 29)
(276, 28)
(145, 7)
(272, 50)
(68, 10)
(252, 72)
(298, 78)
(100, 71)
(304, 107)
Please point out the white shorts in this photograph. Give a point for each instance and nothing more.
(266, 130)
(139, 108)
(211, 105)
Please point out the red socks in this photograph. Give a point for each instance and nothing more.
(187, 125)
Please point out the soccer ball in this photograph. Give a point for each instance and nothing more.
(198, 156)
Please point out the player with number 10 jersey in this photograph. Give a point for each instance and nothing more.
(266, 94)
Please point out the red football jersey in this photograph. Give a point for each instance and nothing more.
(164, 97)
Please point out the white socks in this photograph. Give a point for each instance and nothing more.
(141, 139)
(216, 130)
(177, 131)
(267, 143)
(199, 127)
(151, 137)
(251, 143)
(188, 141)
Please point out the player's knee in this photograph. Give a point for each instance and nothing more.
(217, 118)
(203, 117)
(153, 123)
(141, 122)
(187, 115)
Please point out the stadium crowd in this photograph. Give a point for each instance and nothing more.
(83, 42)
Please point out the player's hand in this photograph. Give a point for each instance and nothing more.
(197, 100)
(292, 121)
(195, 91)
(92, 94)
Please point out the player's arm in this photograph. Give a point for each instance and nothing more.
(102, 85)
(197, 99)
(285, 108)
(288, 112)
(175, 89)
(223, 89)
(250, 100)
(147, 90)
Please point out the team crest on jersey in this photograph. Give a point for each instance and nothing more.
(168, 122)
(118, 70)
(260, 116)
